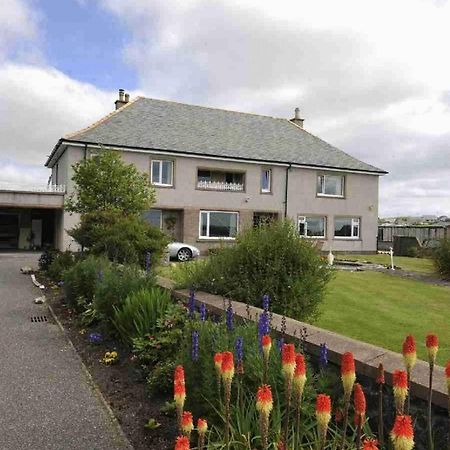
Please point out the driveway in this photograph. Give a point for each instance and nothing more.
(46, 400)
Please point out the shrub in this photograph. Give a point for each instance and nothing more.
(47, 257)
(139, 313)
(441, 258)
(270, 259)
(81, 280)
(116, 285)
(60, 264)
(122, 239)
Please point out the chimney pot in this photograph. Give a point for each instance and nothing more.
(123, 99)
(127, 97)
(297, 119)
(121, 92)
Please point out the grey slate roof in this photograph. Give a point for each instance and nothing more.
(163, 125)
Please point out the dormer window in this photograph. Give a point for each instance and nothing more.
(330, 185)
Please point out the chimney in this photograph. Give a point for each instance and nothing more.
(123, 99)
(297, 120)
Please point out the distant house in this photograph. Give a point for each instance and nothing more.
(217, 172)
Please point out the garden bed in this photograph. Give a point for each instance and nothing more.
(121, 384)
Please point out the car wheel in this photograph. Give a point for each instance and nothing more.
(184, 254)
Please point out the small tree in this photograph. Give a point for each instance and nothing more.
(441, 258)
(105, 183)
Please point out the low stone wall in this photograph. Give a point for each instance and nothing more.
(367, 356)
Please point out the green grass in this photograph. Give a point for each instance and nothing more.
(419, 265)
(382, 309)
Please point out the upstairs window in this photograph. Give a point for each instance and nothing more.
(346, 228)
(266, 181)
(330, 185)
(312, 227)
(161, 172)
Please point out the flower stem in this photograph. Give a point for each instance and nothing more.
(297, 421)
(408, 399)
(344, 430)
(288, 409)
(430, 394)
(359, 432)
(380, 415)
(227, 412)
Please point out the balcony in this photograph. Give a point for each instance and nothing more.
(220, 186)
(38, 188)
(214, 180)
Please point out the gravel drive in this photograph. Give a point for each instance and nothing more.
(46, 399)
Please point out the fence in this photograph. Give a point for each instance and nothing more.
(422, 233)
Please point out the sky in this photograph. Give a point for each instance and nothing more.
(372, 78)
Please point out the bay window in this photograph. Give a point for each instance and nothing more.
(218, 224)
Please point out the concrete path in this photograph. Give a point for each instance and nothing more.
(46, 400)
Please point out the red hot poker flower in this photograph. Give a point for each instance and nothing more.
(182, 443)
(179, 393)
(402, 435)
(187, 423)
(409, 352)
(266, 343)
(264, 401)
(218, 362)
(202, 426)
(323, 413)
(380, 375)
(370, 444)
(227, 367)
(288, 360)
(360, 400)
(432, 343)
(299, 374)
(179, 374)
(348, 375)
(400, 387)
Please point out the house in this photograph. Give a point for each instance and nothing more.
(217, 172)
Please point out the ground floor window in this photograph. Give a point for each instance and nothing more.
(218, 224)
(312, 226)
(346, 227)
(154, 216)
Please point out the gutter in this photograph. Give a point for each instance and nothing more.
(209, 156)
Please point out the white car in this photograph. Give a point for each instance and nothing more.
(182, 252)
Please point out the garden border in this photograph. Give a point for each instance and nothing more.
(367, 356)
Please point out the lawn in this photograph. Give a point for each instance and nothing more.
(381, 309)
(420, 265)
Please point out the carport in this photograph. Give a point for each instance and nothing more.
(29, 219)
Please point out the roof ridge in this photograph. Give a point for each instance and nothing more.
(214, 108)
(102, 120)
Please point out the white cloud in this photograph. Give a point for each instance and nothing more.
(370, 77)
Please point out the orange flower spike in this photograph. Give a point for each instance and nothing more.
(447, 374)
(432, 343)
(179, 374)
(182, 443)
(323, 413)
(348, 374)
(402, 435)
(409, 352)
(202, 426)
(187, 423)
(299, 374)
(360, 400)
(264, 400)
(400, 386)
(218, 362)
(179, 393)
(288, 360)
(266, 343)
(380, 374)
(227, 366)
(370, 444)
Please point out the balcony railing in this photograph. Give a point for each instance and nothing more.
(220, 186)
(50, 188)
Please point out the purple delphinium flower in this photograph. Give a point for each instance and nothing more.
(148, 259)
(239, 350)
(263, 326)
(280, 343)
(191, 304)
(95, 338)
(194, 349)
(202, 310)
(265, 302)
(323, 356)
(230, 317)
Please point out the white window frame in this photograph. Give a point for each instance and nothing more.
(304, 220)
(160, 163)
(322, 178)
(208, 223)
(269, 190)
(355, 221)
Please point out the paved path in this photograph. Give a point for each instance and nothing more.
(46, 401)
